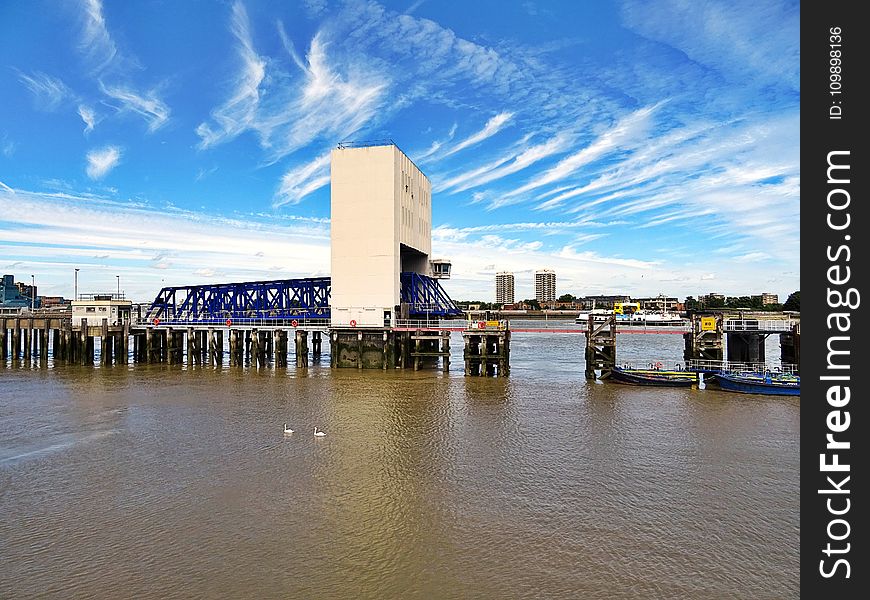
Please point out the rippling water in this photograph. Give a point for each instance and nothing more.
(162, 482)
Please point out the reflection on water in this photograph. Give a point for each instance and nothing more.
(159, 481)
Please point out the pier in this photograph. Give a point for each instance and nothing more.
(382, 307)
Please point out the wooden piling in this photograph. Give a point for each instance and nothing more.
(302, 348)
(316, 344)
(4, 351)
(254, 340)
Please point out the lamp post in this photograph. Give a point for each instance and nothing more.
(32, 292)
(76, 292)
(118, 277)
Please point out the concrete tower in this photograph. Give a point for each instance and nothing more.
(381, 226)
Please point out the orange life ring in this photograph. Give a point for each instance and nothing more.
(353, 322)
(156, 321)
(229, 322)
(658, 366)
(294, 323)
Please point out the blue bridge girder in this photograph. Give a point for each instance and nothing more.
(305, 298)
(425, 296)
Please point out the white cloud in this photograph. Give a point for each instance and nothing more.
(6, 188)
(149, 244)
(631, 131)
(327, 99)
(149, 106)
(48, 91)
(239, 112)
(101, 161)
(88, 116)
(96, 43)
(514, 161)
(302, 180)
(492, 127)
(747, 41)
(7, 147)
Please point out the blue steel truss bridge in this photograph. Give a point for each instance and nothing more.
(302, 303)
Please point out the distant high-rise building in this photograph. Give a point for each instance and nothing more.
(545, 285)
(504, 287)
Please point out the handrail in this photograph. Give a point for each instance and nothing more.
(741, 367)
(300, 322)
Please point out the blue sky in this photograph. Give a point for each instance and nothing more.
(633, 147)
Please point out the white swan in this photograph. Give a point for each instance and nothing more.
(318, 433)
(287, 429)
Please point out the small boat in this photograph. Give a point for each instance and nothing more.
(654, 377)
(583, 316)
(760, 383)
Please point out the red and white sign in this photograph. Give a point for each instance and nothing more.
(481, 324)
(229, 322)
(295, 323)
(353, 322)
(156, 321)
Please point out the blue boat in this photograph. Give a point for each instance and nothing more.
(760, 383)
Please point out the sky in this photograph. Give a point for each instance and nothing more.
(633, 147)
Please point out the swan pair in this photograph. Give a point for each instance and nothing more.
(316, 432)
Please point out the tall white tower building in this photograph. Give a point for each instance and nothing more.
(504, 287)
(545, 286)
(381, 226)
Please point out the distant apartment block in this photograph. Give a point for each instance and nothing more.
(768, 298)
(545, 286)
(504, 287)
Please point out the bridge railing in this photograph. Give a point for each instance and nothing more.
(260, 323)
(783, 325)
(430, 324)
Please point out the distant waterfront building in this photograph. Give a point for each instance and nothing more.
(504, 287)
(659, 303)
(96, 307)
(11, 295)
(545, 286)
(590, 302)
(768, 298)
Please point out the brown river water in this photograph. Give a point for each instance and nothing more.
(168, 482)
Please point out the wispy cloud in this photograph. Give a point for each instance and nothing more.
(88, 116)
(7, 146)
(149, 106)
(49, 92)
(238, 113)
(96, 44)
(5, 187)
(513, 162)
(149, 244)
(492, 127)
(746, 41)
(630, 130)
(101, 161)
(300, 181)
(112, 71)
(326, 98)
